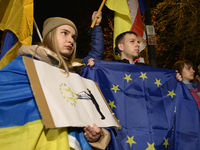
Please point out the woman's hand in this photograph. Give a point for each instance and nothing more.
(92, 134)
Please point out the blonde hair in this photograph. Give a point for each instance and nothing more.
(50, 41)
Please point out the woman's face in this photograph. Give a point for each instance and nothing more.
(188, 72)
(66, 39)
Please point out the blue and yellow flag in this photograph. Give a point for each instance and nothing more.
(127, 17)
(16, 20)
(21, 125)
(122, 18)
(155, 110)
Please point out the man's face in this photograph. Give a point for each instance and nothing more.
(130, 46)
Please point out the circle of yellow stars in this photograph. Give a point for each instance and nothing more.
(73, 98)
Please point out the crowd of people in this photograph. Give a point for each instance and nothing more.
(59, 49)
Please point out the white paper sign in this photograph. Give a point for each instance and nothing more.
(73, 100)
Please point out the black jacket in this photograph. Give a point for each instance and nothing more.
(127, 61)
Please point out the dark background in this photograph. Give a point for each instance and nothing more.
(78, 11)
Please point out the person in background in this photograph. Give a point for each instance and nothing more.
(185, 68)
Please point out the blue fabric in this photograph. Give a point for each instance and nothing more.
(11, 37)
(142, 6)
(149, 113)
(78, 133)
(17, 103)
(97, 47)
(113, 143)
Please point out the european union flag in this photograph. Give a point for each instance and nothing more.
(155, 110)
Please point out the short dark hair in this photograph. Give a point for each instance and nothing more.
(120, 38)
(179, 65)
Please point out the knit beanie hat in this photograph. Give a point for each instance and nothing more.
(54, 22)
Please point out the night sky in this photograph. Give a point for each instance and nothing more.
(78, 11)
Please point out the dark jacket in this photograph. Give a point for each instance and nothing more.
(127, 61)
(97, 47)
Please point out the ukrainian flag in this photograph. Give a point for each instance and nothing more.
(127, 18)
(21, 126)
(122, 18)
(16, 20)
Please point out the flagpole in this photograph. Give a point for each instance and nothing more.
(100, 8)
(95, 19)
(38, 31)
(151, 48)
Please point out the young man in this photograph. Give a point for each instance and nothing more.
(127, 45)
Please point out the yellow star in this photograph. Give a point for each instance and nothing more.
(128, 77)
(130, 140)
(143, 75)
(115, 88)
(166, 143)
(171, 93)
(111, 104)
(157, 82)
(173, 128)
(174, 109)
(150, 146)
